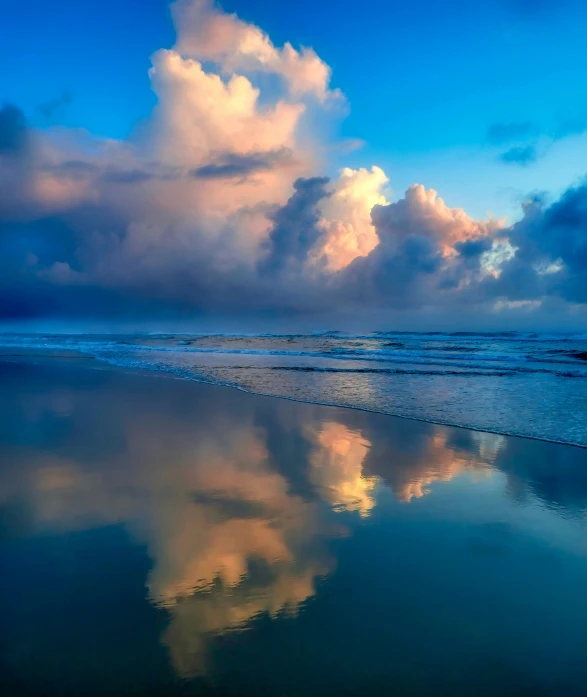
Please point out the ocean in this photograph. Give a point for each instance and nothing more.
(516, 383)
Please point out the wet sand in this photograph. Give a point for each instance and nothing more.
(161, 537)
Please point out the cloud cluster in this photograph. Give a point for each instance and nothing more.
(551, 252)
(217, 204)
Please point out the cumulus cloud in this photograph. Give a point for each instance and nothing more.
(206, 33)
(423, 255)
(346, 216)
(218, 204)
(296, 227)
(551, 256)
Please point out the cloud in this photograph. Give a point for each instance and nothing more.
(346, 216)
(207, 34)
(199, 112)
(295, 227)
(411, 466)
(217, 204)
(519, 155)
(551, 256)
(230, 165)
(348, 145)
(418, 260)
(13, 130)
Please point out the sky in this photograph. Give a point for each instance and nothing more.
(288, 162)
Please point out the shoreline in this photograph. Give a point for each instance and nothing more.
(94, 362)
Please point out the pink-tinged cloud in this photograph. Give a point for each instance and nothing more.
(216, 203)
(206, 33)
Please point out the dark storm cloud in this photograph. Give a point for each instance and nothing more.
(409, 269)
(551, 256)
(555, 474)
(401, 278)
(522, 155)
(405, 264)
(231, 165)
(295, 226)
(473, 248)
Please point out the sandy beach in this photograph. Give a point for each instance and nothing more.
(196, 539)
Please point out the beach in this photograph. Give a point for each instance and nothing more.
(512, 383)
(159, 536)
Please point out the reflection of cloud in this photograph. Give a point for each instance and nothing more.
(490, 444)
(410, 462)
(337, 467)
(215, 611)
(219, 487)
(227, 538)
(440, 465)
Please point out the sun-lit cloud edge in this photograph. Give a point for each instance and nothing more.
(217, 204)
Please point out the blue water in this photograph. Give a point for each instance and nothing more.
(161, 538)
(512, 382)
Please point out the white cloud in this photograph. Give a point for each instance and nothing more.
(216, 202)
(207, 33)
(349, 232)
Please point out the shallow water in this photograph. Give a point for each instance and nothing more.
(511, 382)
(160, 537)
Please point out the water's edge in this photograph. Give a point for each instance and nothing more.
(167, 372)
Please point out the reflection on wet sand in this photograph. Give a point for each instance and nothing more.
(234, 505)
(336, 469)
(227, 537)
(439, 463)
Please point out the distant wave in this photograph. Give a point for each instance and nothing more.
(465, 357)
(405, 371)
(508, 382)
(395, 371)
